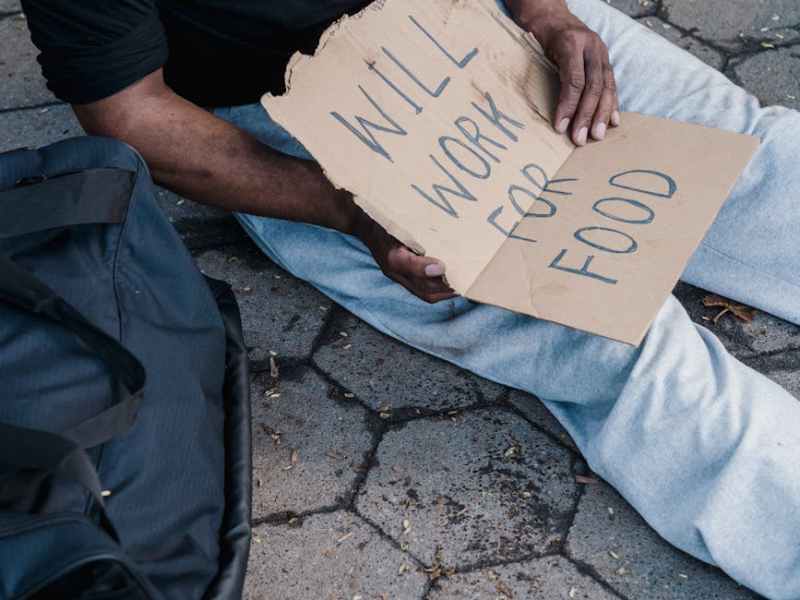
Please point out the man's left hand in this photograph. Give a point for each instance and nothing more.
(588, 101)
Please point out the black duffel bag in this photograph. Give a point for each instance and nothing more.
(124, 408)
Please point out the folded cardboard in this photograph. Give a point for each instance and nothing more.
(436, 115)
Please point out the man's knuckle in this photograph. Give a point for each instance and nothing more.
(594, 41)
(576, 81)
(576, 36)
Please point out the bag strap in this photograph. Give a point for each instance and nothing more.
(91, 196)
(64, 454)
(21, 289)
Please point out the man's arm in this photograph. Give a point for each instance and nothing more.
(588, 100)
(204, 158)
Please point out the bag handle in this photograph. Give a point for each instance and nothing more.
(21, 289)
(91, 196)
(64, 454)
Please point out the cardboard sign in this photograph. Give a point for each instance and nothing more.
(436, 115)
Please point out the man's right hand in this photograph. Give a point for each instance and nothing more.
(421, 275)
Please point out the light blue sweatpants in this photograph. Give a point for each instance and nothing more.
(705, 448)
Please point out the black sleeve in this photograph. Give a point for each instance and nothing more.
(91, 49)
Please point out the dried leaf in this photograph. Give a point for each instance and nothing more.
(740, 311)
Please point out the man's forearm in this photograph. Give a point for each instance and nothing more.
(204, 158)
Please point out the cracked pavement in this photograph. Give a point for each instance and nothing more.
(427, 482)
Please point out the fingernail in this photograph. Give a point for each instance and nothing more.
(583, 134)
(599, 131)
(615, 118)
(434, 270)
(563, 126)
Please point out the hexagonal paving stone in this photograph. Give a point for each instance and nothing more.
(705, 53)
(308, 448)
(279, 313)
(387, 374)
(634, 8)
(483, 486)
(722, 21)
(37, 127)
(642, 564)
(20, 75)
(534, 410)
(550, 578)
(329, 557)
(774, 76)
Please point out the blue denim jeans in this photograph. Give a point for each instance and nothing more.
(705, 448)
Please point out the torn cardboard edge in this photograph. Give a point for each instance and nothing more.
(298, 61)
(393, 54)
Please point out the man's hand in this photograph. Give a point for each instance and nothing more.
(588, 100)
(421, 275)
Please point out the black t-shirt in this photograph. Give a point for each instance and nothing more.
(214, 52)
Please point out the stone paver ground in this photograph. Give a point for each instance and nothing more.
(382, 473)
